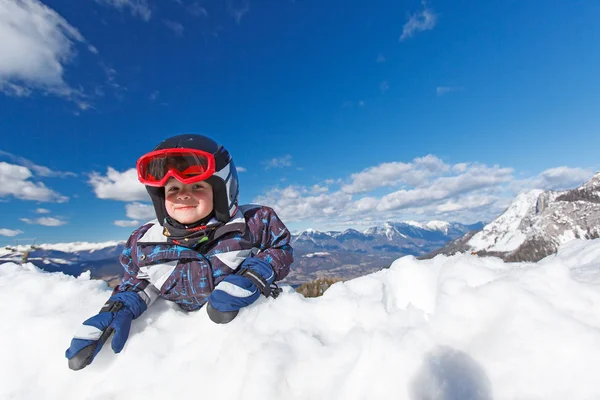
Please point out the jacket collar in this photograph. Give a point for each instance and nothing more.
(155, 234)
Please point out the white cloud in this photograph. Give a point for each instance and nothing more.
(123, 186)
(36, 45)
(15, 181)
(442, 90)
(465, 203)
(319, 189)
(418, 22)
(240, 169)
(477, 177)
(394, 173)
(176, 27)
(42, 211)
(10, 232)
(473, 207)
(431, 189)
(15, 90)
(37, 169)
(138, 8)
(127, 223)
(46, 221)
(140, 211)
(460, 167)
(298, 203)
(281, 162)
(562, 178)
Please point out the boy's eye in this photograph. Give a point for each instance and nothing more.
(172, 189)
(198, 186)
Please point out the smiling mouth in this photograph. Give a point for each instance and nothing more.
(185, 208)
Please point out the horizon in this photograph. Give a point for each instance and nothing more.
(342, 115)
(422, 225)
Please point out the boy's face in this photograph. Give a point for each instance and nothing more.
(188, 203)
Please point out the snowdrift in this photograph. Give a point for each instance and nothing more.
(458, 327)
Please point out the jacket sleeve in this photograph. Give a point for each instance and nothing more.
(130, 282)
(273, 239)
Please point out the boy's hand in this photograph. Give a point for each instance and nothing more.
(240, 290)
(115, 316)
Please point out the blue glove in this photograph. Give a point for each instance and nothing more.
(115, 316)
(240, 290)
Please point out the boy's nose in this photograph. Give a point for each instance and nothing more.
(183, 194)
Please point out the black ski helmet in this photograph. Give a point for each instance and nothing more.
(224, 181)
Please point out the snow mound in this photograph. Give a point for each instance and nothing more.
(457, 327)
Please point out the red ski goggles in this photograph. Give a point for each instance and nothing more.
(185, 165)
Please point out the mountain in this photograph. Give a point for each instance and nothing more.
(345, 255)
(352, 253)
(536, 224)
(101, 259)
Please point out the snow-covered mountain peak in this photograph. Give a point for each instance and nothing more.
(504, 233)
(538, 222)
(388, 230)
(593, 184)
(438, 226)
(416, 224)
(310, 232)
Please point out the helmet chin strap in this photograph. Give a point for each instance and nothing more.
(190, 235)
(174, 223)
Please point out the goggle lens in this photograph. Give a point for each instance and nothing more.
(185, 165)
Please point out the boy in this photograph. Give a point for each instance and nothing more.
(202, 248)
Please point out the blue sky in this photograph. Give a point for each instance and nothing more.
(340, 113)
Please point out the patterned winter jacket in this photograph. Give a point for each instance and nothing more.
(154, 267)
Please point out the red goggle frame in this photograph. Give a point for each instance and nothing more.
(186, 165)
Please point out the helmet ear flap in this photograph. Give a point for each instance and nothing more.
(157, 195)
(220, 199)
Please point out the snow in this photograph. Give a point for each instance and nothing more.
(79, 246)
(65, 247)
(415, 224)
(441, 226)
(459, 327)
(503, 234)
(317, 254)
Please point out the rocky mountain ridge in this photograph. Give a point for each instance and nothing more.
(536, 224)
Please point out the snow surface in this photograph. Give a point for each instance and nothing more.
(65, 247)
(459, 327)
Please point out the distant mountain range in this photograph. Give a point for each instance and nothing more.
(353, 253)
(536, 224)
(345, 255)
